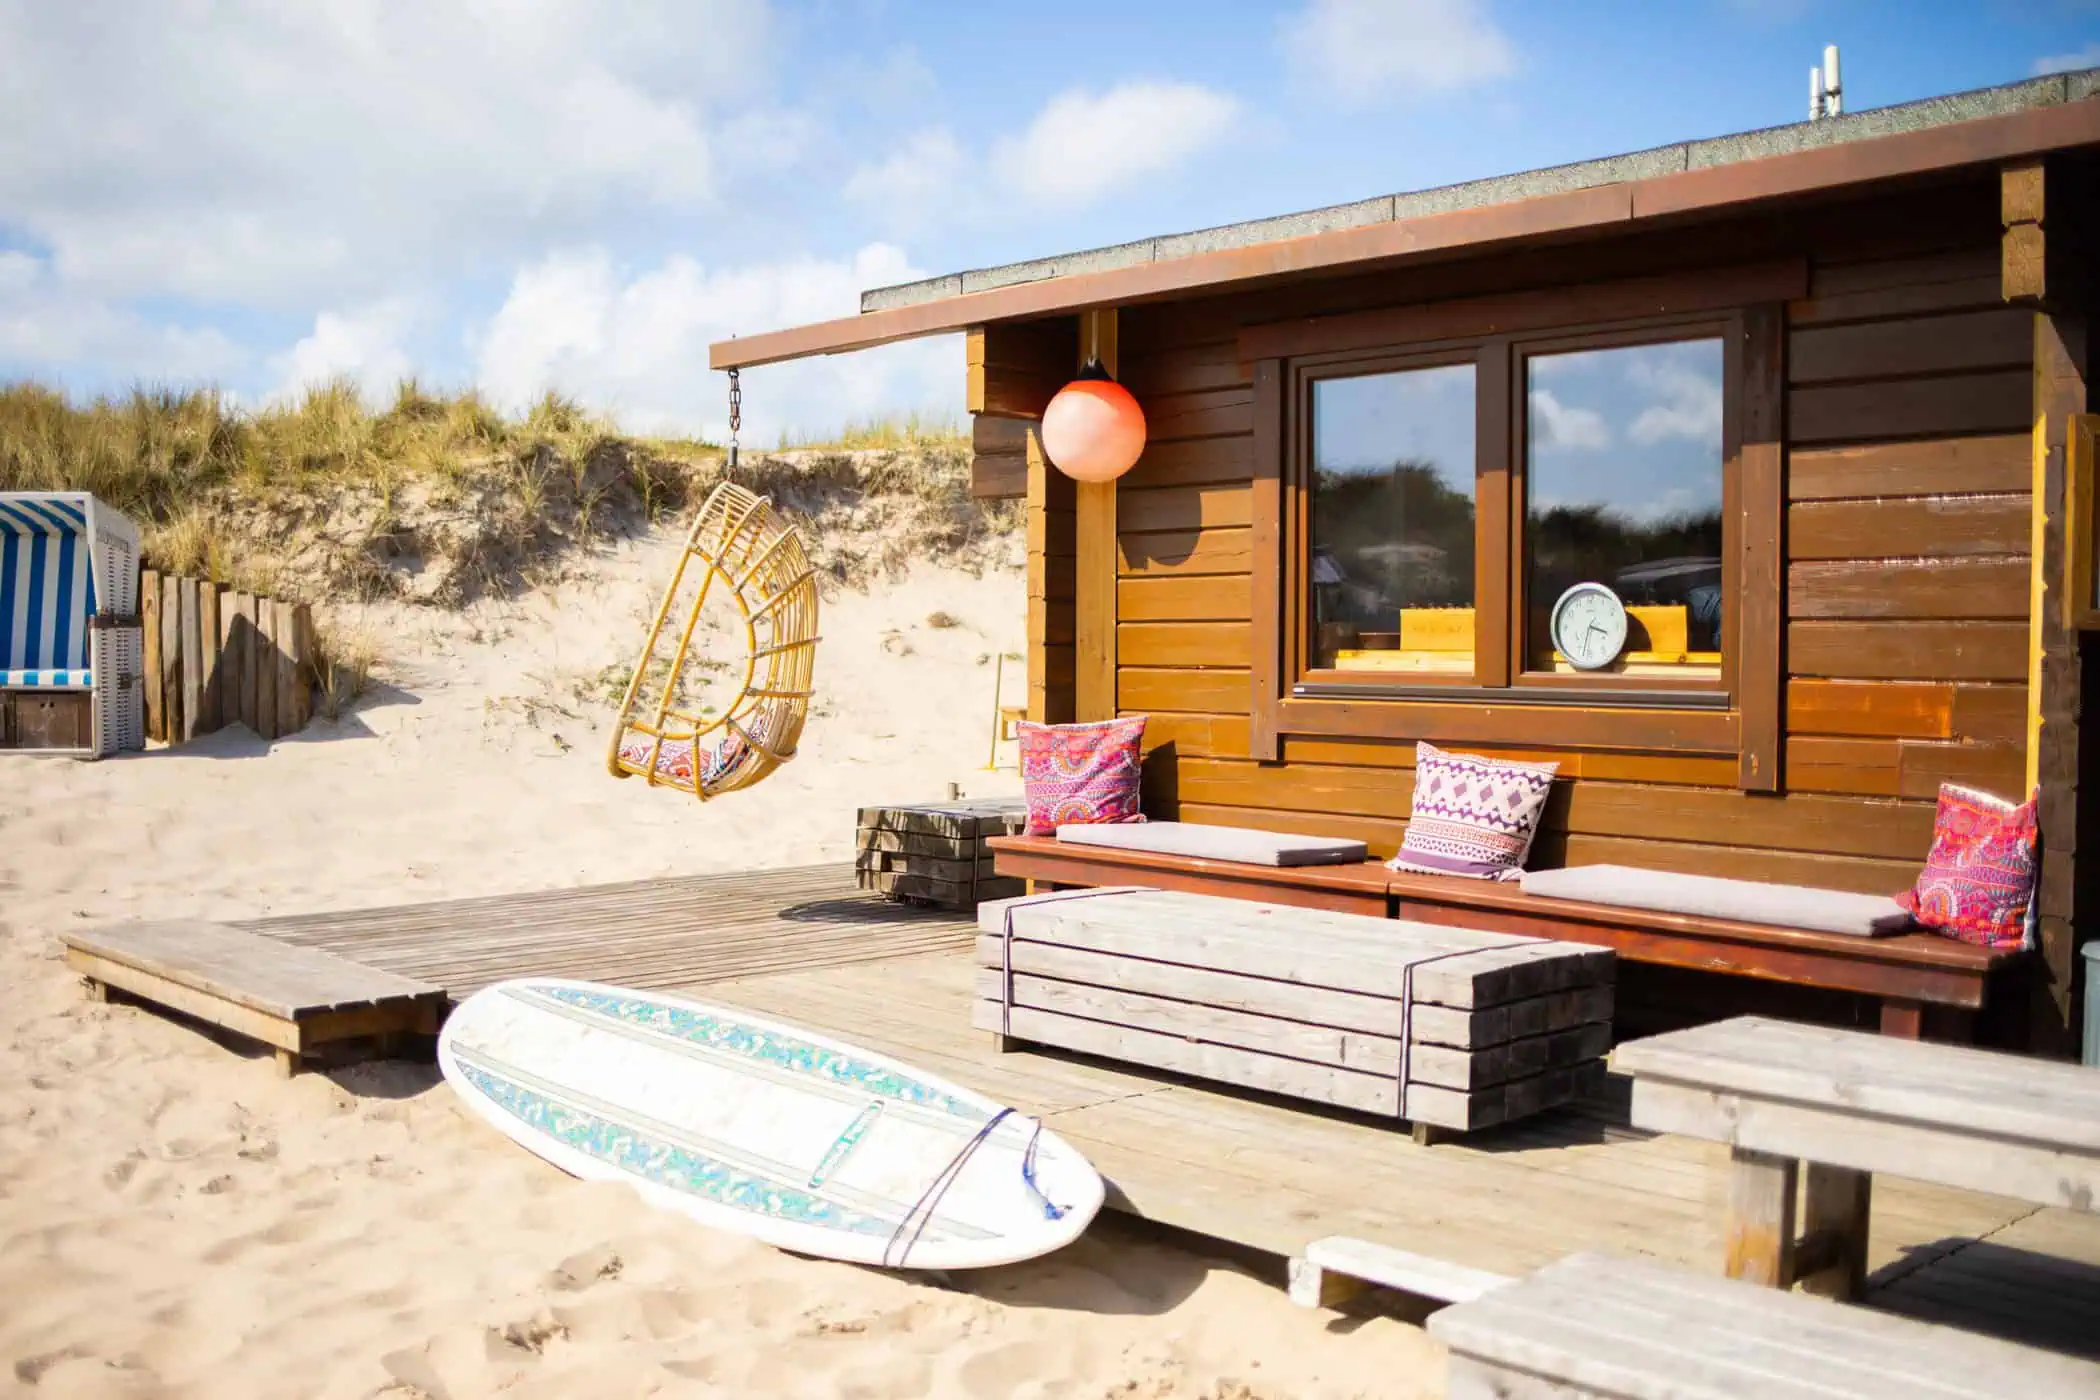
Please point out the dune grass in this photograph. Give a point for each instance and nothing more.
(153, 452)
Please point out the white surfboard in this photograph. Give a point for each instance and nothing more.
(768, 1130)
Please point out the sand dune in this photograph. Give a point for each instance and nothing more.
(176, 1220)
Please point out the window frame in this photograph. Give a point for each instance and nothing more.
(1736, 715)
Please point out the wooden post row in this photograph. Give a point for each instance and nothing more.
(216, 658)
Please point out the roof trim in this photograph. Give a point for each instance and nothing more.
(1931, 150)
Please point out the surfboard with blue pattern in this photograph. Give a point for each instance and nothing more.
(765, 1129)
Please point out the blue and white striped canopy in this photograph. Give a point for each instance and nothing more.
(43, 515)
(47, 590)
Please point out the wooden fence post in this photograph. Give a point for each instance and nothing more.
(170, 622)
(241, 678)
(192, 662)
(210, 715)
(264, 660)
(286, 621)
(228, 686)
(303, 665)
(149, 618)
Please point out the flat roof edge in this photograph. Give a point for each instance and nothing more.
(2048, 90)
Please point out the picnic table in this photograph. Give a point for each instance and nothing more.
(1825, 1108)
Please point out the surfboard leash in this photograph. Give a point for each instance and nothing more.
(935, 1190)
(922, 1210)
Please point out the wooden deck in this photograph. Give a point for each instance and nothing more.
(678, 932)
(1268, 1174)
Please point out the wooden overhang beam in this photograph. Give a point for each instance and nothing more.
(1983, 142)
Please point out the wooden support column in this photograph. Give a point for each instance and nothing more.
(1013, 369)
(1094, 579)
(1760, 527)
(2041, 204)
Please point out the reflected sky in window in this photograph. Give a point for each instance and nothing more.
(1636, 429)
(1367, 424)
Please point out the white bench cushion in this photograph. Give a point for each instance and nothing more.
(1215, 843)
(48, 678)
(1750, 901)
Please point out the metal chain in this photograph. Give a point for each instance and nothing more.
(736, 413)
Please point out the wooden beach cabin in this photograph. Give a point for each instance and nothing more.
(1810, 397)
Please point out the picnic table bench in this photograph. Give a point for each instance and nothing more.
(1596, 1325)
(1844, 1104)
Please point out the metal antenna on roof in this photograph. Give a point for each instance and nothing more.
(1825, 97)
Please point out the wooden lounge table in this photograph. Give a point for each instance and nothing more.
(1847, 1104)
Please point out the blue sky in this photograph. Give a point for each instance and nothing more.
(579, 195)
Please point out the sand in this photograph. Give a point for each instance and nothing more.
(176, 1220)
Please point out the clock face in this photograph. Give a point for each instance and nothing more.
(1589, 626)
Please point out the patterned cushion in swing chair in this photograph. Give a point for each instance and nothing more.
(676, 759)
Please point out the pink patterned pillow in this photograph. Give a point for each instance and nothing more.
(1081, 773)
(1979, 876)
(1472, 816)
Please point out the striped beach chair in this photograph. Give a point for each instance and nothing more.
(71, 649)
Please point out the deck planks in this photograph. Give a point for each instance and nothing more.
(1266, 1173)
(675, 931)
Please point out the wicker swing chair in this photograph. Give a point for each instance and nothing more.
(739, 549)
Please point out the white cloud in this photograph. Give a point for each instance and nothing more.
(49, 326)
(1688, 404)
(1080, 148)
(1369, 50)
(363, 346)
(1560, 425)
(916, 184)
(293, 155)
(635, 344)
(1084, 145)
(2087, 57)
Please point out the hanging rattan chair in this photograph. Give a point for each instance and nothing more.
(741, 551)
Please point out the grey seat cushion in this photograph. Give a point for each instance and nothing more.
(1215, 843)
(1750, 901)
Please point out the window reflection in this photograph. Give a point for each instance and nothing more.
(1623, 487)
(1392, 521)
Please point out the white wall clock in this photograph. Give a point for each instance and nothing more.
(1589, 626)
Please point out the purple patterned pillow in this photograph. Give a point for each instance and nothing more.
(1074, 774)
(1472, 816)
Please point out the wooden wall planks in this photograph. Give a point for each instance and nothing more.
(1906, 417)
(1943, 466)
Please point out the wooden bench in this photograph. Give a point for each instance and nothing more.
(1595, 1325)
(293, 999)
(1904, 973)
(1848, 1104)
(1346, 889)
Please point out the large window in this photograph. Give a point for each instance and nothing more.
(1543, 514)
(1543, 518)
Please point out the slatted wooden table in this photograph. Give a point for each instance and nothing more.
(1848, 1104)
(293, 999)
